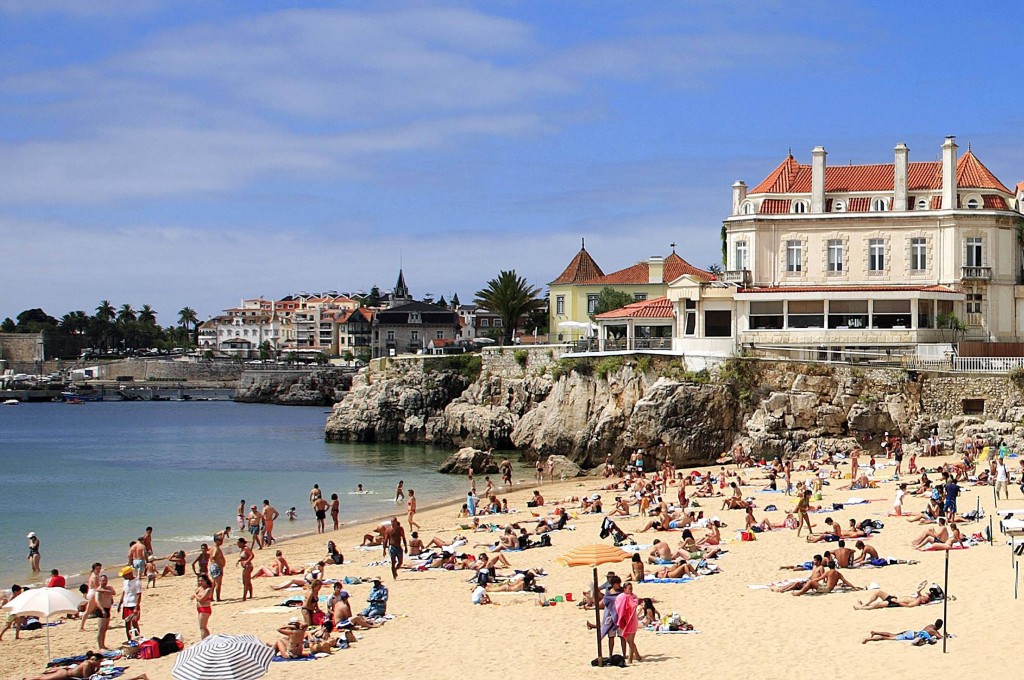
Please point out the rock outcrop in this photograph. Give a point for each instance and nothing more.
(291, 388)
(468, 458)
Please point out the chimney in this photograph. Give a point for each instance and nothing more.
(949, 173)
(899, 201)
(818, 154)
(655, 269)
(739, 194)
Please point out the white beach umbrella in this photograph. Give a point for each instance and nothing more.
(224, 657)
(44, 603)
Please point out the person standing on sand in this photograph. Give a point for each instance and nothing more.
(204, 600)
(245, 558)
(130, 603)
(540, 470)
(627, 621)
(33, 551)
(255, 520)
(270, 515)
(803, 507)
(854, 462)
(400, 491)
(137, 555)
(90, 596)
(395, 545)
(104, 598)
(147, 541)
(335, 509)
(320, 510)
(506, 472)
(411, 509)
(217, 564)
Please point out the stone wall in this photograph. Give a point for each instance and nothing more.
(20, 351)
(520, 361)
(165, 369)
(944, 394)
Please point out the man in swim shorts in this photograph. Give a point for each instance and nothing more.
(217, 562)
(395, 545)
(255, 520)
(104, 599)
(320, 510)
(927, 635)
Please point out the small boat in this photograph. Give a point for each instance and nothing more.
(78, 397)
(11, 402)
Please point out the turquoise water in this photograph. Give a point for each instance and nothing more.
(90, 478)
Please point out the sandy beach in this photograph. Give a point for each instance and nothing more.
(743, 632)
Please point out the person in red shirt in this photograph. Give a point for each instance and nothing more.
(56, 580)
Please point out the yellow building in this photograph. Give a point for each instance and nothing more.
(573, 296)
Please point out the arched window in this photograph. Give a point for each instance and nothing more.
(973, 203)
(799, 207)
(922, 204)
(839, 206)
(879, 205)
(747, 208)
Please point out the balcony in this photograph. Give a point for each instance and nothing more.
(741, 277)
(975, 273)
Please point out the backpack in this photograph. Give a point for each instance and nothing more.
(168, 644)
(613, 660)
(545, 540)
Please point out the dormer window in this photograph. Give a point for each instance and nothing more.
(414, 317)
(799, 207)
(879, 205)
(747, 208)
(839, 206)
(922, 204)
(973, 203)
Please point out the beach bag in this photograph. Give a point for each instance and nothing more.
(545, 540)
(318, 618)
(613, 660)
(150, 649)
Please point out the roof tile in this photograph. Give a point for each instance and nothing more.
(658, 308)
(639, 273)
(582, 268)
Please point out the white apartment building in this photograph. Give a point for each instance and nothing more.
(875, 256)
(241, 330)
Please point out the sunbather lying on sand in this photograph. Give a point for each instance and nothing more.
(927, 635)
(882, 600)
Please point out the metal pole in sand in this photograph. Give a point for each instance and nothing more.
(945, 606)
(1016, 578)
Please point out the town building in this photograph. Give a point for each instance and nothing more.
(407, 326)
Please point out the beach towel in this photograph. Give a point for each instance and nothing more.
(777, 583)
(677, 632)
(856, 501)
(652, 579)
(941, 546)
(301, 658)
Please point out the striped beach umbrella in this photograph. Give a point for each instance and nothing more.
(224, 657)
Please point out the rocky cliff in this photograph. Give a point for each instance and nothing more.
(294, 388)
(588, 409)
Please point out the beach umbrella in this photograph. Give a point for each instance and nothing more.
(593, 556)
(224, 657)
(44, 603)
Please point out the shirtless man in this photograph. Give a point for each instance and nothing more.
(104, 598)
(411, 509)
(934, 535)
(255, 520)
(827, 582)
(320, 510)
(832, 533)
(882, 600)
(843, 556)
(147, 540)
(217, 564)
(241, 515)
(270, 515)
(90, 595)
(345, 620)
(660, 554)
(290, 644)
(245, 558)
(506, 472)
(137, 555)
(315, 494)
(621, 507)
(817, 571)
(866, 556)
(928, 634)
(395, 545)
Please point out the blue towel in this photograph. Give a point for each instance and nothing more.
(301, 658)
(685, 579)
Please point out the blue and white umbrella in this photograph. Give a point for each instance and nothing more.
(224, 657)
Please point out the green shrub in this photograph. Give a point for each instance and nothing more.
(466, 365)
(643, 364)
(522, 357)
(1016, 376)
(607, 365)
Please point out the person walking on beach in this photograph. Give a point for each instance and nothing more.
(13, 621)
(245, 558)
(540, 470)
(217, 564)
(411, 509)
(255, 520)
(803, 507)
(270, 515)
(335, 509)
(137, 555)
(147, 541)
(395, 545)
(104, 598)
(90, 595)
(33, 551)
(204, 600)
(627, 621)
(400, 491)
(320, 510)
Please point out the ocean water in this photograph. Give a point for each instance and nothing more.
(90, 478)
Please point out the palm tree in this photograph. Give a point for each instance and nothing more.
(74, 323)
(105, 311)
(147, 315)
(125, 314)
(187, 317)
(510, 297)
(102, 328)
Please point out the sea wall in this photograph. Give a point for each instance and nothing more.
(589, 408)
(20, 351)
(168, 369)
(302, 387)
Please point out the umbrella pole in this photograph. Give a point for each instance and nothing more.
(597, 620)
(48, 656)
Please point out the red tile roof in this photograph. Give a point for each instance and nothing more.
(859, 204)
(639, 273)
(994, 202)
(582, 268)
(774, 206)
(847, 289)
(346, 316)
(658, 308)
(793, 177)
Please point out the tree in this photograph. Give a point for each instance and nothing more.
(715, 269)
(187, 317)
(455, 301)
(510, 297)
(75, 323)
(34, 321)
(442, 302)
(265, 350)
(537, 321)
(105, 311)
(373, 298)
(126, 314)
(950, 321)
(610, 299)
(147, 315)
(8, 326)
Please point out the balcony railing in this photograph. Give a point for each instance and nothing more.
(740, 277)
(976, 273)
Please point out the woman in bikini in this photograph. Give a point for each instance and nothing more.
(86, 669)
(312, 602)
(204, 600)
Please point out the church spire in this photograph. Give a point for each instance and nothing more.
(401, 291)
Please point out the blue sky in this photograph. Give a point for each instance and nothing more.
(193, 153)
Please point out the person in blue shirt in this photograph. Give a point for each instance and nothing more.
(378, 599)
